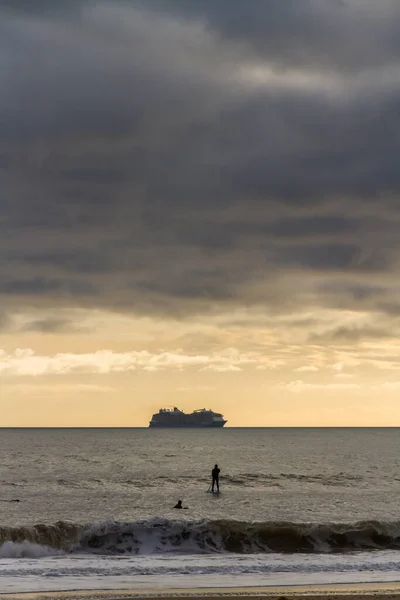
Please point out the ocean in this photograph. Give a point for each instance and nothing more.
(93, 508)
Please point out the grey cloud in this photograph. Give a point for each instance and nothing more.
(351, 335)
(77, 260)
(4, 321)
(338, 257)
(42, 286)
(144, 168)
(319, 225)
(360, 292)
(51, 325)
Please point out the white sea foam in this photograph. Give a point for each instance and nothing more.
(26, 550)
(194, 571)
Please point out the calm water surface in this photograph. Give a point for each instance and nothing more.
(86, 475)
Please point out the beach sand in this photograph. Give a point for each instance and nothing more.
(378, 591)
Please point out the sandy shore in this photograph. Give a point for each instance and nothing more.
(384, 591)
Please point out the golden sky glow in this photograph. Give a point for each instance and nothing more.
(123, 372)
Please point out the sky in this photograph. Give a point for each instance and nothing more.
(199, 207)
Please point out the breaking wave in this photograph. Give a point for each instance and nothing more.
(26, 550)
(152, 536)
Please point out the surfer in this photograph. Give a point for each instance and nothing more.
(215, 478)
(179, 505)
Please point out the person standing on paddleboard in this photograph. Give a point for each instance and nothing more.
(215, 478)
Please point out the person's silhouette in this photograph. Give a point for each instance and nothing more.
(215, 478)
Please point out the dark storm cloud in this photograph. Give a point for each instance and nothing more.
(341, 34)
(182, 156)
(42, 7)
(316, 225)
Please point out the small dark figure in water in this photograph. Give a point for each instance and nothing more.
(179, 505)
(215, 478)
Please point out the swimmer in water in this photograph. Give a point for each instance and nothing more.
(179, 505)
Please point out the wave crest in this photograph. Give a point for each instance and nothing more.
(149, 536)
(59, 535)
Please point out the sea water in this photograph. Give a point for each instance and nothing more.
(93, 508)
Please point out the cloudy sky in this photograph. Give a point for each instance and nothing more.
(200, 206)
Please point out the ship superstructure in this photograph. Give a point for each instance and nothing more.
(174, 417)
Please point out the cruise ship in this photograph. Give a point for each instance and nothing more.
(173, 417)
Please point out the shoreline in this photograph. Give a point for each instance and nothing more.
(357, 591)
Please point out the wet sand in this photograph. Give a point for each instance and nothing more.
(379, 591)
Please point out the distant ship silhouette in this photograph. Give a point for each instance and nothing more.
(173, 417)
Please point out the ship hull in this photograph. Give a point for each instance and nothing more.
(185, 426)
